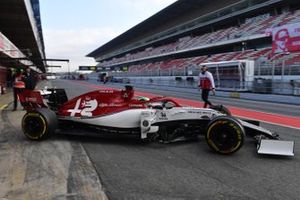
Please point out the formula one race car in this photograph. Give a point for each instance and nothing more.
(118, 112)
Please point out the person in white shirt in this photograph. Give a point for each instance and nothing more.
(206, 83)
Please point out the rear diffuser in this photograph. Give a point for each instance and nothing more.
(276, 147)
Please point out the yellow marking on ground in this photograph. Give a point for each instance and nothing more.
(234, 95)
(3, 106)
(18, 176)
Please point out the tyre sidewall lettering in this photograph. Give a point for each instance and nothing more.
(37, 115)
(237, 131)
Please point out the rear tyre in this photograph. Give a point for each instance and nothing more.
(225, 135)
(39, 124)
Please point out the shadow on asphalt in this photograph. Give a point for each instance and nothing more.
(115, 140)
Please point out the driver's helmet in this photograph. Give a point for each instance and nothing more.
(140, 98)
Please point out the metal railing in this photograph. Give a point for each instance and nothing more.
(270, 77)
(259, 85)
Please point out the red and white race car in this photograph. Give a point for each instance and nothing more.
(118, 112)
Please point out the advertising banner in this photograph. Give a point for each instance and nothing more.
(87, 68)
(286, 38)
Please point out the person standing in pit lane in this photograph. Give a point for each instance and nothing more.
(18, 87)
(206, 83)
(29, 79)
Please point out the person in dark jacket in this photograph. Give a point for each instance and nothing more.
(29, 79)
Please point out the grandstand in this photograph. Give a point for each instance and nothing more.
(176, 40)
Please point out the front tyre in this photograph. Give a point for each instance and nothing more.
(225, 135)
(39, 124)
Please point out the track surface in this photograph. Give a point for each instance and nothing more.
(133, 170)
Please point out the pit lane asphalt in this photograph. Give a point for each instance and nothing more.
(130, 169)
(51, 169)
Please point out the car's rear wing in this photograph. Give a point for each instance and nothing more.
(31, 99)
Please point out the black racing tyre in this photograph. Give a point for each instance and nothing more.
(39, 124)
(225, 135)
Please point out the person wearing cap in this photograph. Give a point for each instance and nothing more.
(206, 84)
(18, 87)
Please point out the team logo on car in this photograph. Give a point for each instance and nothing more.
(85, 108)
(163, 116)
